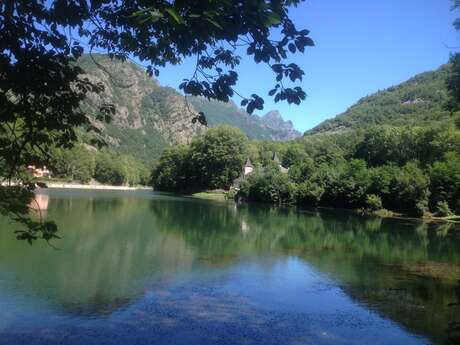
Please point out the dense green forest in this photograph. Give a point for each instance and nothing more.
(410, 170)
(83, 163)
(408, 163)
(209, 162)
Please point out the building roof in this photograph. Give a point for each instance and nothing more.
(275, 158)
(248, 164)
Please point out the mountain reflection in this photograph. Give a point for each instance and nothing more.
(113, 249)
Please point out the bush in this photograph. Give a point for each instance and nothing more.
(231, 194)
(443, 209)
(373, 202)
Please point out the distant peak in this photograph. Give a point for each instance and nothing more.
(274, 114)
(274, 120)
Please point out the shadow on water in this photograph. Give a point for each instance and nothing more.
(117, 251)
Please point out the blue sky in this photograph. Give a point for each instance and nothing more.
(362, 46)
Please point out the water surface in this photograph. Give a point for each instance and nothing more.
(145, 268)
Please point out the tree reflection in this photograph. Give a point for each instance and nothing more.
(113, 250)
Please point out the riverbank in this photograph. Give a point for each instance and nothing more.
(211, 195)
(221, 195)
(57, 185)
(382, 213)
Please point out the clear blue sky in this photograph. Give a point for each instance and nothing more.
(362, 46)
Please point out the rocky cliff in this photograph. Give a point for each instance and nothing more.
(283, 130)
(268, 127)
(147, 117)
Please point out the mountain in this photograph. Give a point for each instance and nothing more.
(283, 130)
(418, 101)
(149, 117)
(268, 127)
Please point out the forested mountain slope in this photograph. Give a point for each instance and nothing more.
(419, 101)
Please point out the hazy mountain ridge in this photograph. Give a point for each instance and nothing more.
(418, 101)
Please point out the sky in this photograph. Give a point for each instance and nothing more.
(362, 46)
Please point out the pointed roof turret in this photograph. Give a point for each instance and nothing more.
(275, 158)
(248, 163)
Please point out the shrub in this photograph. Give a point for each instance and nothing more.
(373, 202)
(443, 209)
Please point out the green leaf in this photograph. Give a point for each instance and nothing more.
(272, 19)
(173, 13)
(138, 13)
(152, 15)
(155, 15)
(214, 23)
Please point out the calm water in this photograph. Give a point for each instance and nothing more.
(143, 268)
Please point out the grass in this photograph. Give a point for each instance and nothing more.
(221, 196)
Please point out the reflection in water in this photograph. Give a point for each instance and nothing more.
(40, 203)
(159, 263)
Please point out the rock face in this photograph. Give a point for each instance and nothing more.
(147, 117)
(284, 129)
(268, 127)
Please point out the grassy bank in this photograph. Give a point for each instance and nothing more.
(211, 195)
